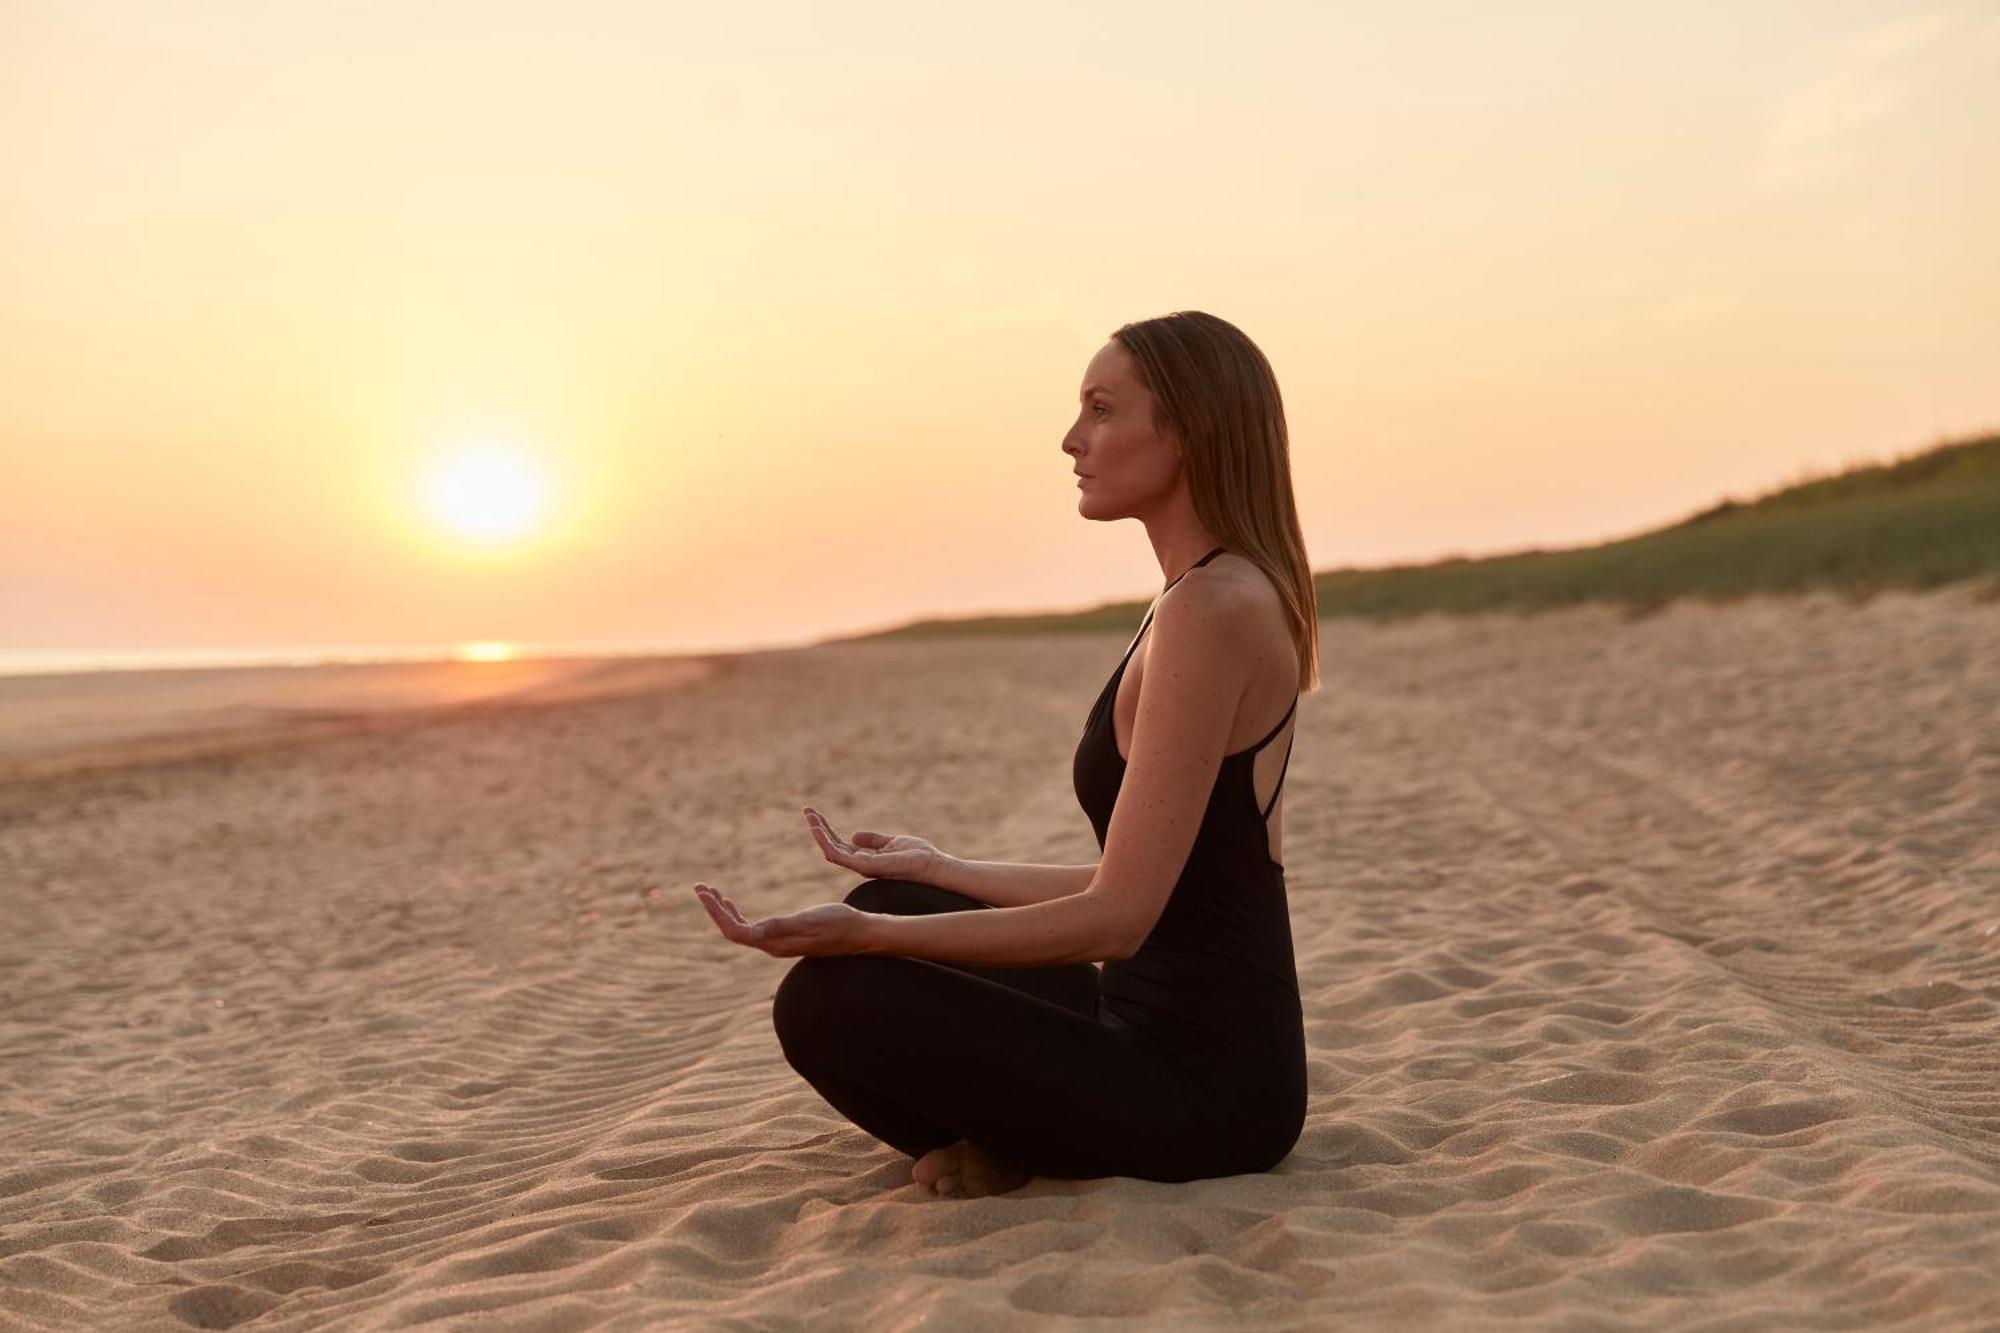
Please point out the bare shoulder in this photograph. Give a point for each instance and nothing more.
(1234, 591)
(1232, 627)
(1213, 603)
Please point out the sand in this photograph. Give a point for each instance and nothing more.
(1651, 973)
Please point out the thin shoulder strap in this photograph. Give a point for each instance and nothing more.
(1196, 565)
(1277, 728)
(1272, 804)
(1156, 603)
(1135, 640)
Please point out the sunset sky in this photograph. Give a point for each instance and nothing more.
(769, 319)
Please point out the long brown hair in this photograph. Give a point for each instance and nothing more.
(1214, 389)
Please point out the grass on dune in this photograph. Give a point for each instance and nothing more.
(1922, 521)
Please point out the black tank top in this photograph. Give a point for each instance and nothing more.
(1215, 982)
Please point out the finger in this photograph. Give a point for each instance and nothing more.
(843, 843)
(828, 840)
(706, 906)
(732, 927)
(721, 906)
(710, 901)
(741, 931)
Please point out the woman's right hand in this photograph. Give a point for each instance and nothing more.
(876, 855)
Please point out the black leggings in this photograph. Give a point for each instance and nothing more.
(921, 1054)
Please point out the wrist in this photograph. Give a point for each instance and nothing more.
(943, 870)
(877, 933)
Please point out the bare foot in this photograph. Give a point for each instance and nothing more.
(938, 1166)
(964, 1170)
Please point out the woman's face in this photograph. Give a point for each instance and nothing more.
(1124, 466)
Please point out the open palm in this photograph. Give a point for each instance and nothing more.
(876, 855)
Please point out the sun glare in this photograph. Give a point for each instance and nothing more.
(487, 651)
(487, 493)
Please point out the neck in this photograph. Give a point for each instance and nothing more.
(1178, 539)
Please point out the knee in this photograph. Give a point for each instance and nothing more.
(884, 895)
(793, 1004)
(807, 1011)
(906, 897)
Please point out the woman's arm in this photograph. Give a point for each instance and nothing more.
(1008, 883)
(905, 856)
(1081, 927)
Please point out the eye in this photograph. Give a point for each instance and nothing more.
(1099, 407)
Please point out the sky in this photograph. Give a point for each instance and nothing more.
(778, 312)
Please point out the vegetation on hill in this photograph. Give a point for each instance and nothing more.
(1924, 520)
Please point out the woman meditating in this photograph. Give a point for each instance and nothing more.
(951, 1008)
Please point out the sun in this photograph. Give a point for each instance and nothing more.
(488, 493)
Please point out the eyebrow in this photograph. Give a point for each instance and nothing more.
(1097, 388)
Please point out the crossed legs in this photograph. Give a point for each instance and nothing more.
(984, 1074)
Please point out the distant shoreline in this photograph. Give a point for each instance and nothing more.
(56, 724)
(1928, 521)
(18, 662)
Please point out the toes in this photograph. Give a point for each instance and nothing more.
(929, 1166)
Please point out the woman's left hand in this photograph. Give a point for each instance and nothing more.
(828, 928)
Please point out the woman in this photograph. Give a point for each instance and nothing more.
(950, 1007)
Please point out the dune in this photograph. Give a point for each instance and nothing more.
(1651, 973)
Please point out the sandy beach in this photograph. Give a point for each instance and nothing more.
(1651, 973)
